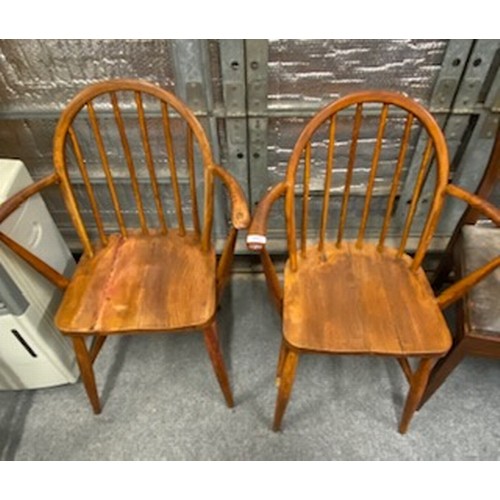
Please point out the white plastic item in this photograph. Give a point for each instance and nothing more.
(33, 353)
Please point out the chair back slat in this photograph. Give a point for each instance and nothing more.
(305, 199)
(350, 169)
(105, 165)
(118, 149)
(130, 162)
(419, 184)
(88, 186)
(395, 182)
(149, 161)
(373, 174)
(172, 167)
(328, 182)
(192, 180)
(376, 158)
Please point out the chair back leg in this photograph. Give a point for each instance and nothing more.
(213, 348)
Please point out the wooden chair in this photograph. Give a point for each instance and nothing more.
(368, 295)
(141, 278)
(478, 314)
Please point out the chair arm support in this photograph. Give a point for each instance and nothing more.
(461, 287)
(9, 206)
(256, 238)
(12, 204)
(240, 215)
(479, 204)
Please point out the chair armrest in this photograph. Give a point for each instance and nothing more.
(9, 206)
(256, 238)
(461, 287)
(479, 204)
(240, 215)
(12, 204)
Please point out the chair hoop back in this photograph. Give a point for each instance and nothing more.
(434, 157)
(66, 138)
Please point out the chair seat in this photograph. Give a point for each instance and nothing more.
(478, 246)
(361, 301)
(141, 283)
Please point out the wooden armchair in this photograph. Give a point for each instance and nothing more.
(367, 296)
(471, 246)
(158, 273)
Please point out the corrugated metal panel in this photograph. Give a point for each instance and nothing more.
(43, 75)
(322, 70)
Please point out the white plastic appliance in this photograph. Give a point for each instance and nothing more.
(33, 353)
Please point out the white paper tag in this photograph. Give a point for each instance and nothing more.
(257, 239)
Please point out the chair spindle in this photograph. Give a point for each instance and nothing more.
(350, 169)
(373, 174)
(328, 182)
(305, 198)
(395, 182)
(149, 161)
(192, 179)
(88, 186)
(105, 165)
(172, 166)
(130, 162)
(422, 174)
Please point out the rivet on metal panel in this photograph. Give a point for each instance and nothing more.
(450, 74)
(444, 91)
(234, 95)
(195, 97)
(482, 57)
(489, 128)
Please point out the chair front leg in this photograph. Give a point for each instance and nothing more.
(287, 367)
(213, 348)
(84, 360)
(417, 387)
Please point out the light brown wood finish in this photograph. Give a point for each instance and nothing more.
(88, 187)
(358, 297)
(328, 182)
(350, 169)
(43, 268)
(172, 167)
(105, 166)
(395, 182)
(149, 161)
(417, 388)
(13, 203)
(288, 367)
(305, 199)
(213, 349)
(489, 180)
(361, 301)
(130, 162)
(85, 364)
(240, 215)
(373, 174)
(10, 206)
(141, 279)
(192, 181)
(141, 283)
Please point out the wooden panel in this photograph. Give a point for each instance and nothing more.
(141, 283)
(346, 301)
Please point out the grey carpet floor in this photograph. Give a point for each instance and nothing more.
(161, 402)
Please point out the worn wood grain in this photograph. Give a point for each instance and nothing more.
(141, 283)
(362, 301)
